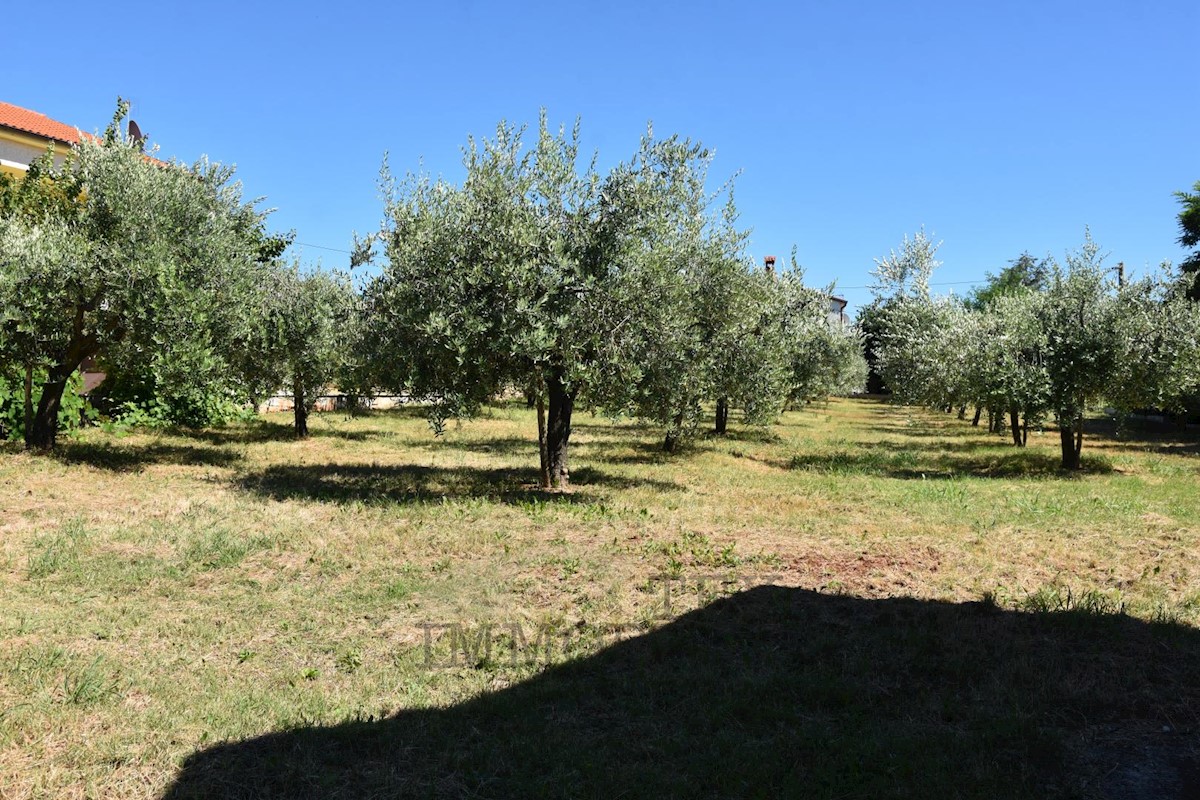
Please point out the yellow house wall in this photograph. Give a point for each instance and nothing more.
(22, 148)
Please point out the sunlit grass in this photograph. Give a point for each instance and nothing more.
(164, 591)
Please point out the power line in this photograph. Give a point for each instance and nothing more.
(939, 283)
(322, 247)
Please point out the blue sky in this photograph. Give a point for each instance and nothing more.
(999, 127)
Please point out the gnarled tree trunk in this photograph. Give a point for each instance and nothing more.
(558, 430)
(42, 433)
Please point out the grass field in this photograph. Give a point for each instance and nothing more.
(863, 600)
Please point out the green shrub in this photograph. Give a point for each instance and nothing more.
(184, 385)
(74, 412)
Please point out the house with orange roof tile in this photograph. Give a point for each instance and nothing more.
(25, 135)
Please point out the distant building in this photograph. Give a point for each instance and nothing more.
(837, 305)
(837, 312)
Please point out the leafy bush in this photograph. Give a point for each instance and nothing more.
(183, 384)
(74, 412)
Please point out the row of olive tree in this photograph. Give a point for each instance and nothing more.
(163, 275)
(1051, 347)
(627, 292)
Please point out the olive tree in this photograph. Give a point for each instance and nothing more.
(725, 338)
(136, 243)
(193, 374)
(1011, 376)
(298, 338)
(1056, 345)
(753, 354)
(1159, 362)
(944, 353)
(898, 278)
(822, 357)
(1080, 317)
(926, 347)
(534, 274)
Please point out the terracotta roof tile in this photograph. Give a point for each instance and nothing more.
(22, 119)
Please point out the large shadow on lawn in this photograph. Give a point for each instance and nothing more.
(134, 458)
(412, 483)
(778, 692)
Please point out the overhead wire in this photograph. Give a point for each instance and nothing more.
(935, 283)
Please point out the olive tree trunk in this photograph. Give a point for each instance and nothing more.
(300, 411)
(674, 433)
(722, 416)
(43, 432)
(1071, 436)
(558, 431)
(1014, 419)
(543, 450)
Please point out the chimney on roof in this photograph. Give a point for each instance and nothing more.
(769, 263)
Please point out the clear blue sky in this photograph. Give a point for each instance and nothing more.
(1000, 127)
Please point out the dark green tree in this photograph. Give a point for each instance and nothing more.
(1189, 236)
(1023, 274)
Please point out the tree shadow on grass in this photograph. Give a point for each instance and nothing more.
(959, 445)
(775, 692)
(637, 452)
(1163, 438)
(605, 449)
(411, 483)
(1140, 435)
(900, 460)
(1186, 450)
(961, 430)
(261, 431)
(747, 434)
(134, 458)
(494, 445)
(628, 444)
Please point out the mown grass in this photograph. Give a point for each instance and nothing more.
(863, 600)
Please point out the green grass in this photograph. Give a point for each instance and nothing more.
(863, 600)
